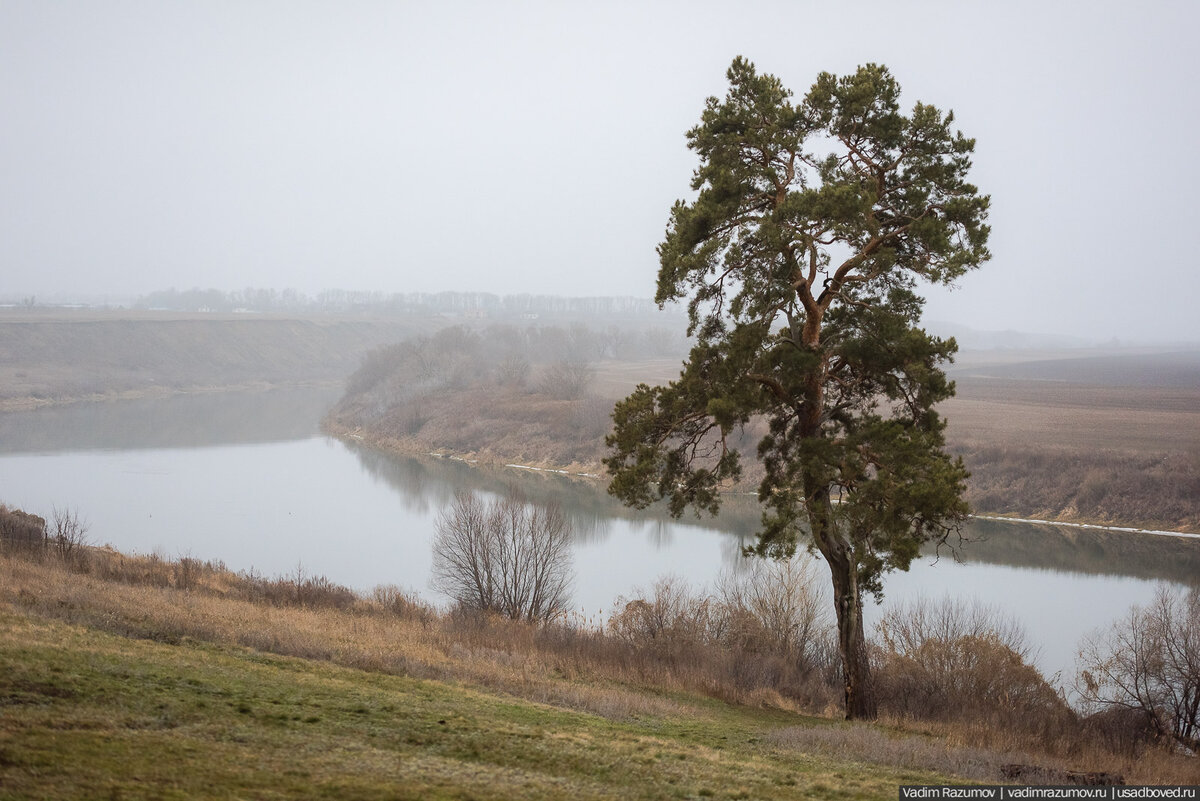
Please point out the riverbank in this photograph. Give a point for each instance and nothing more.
(1084, 448)
(594, 471)
(139, 676)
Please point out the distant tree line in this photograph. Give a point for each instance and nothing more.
(471, 304)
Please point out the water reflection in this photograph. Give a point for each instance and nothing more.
(1059, 582)
(1063, 549)
(429, 484)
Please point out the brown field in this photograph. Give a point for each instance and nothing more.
(1098, 436)
(1014, 407)
(1137, 420)
(617, 379)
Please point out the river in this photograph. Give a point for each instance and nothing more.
(248, 479)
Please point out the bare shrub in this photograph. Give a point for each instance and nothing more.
(754, 642)
(1149, 663)
(1120, 730)
(670, 615)
(297, 589)
(775, 607)
(513, 371)
(136, 570)
(567, 379)
(510, 557)
(953, 661)
(904, 628)
(185, 571)
(69, 536)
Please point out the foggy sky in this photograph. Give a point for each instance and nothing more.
(538, 146)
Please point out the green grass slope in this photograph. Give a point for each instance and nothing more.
(86, 714)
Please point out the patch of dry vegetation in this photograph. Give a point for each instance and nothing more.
(1157, 490)
(505, 394)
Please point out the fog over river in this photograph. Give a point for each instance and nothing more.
(249, 479)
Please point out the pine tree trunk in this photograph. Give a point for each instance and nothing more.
(861, 703)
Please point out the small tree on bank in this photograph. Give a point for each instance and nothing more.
(509, 557)
(798, 258)
(1149, 663)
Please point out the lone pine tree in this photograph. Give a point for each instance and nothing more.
(799, 258)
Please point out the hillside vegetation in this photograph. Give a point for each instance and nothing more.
(504, 394)
(139, 677)
(1087, 447)
(56, 358)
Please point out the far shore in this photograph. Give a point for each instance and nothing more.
(29, 403)
(595, 472)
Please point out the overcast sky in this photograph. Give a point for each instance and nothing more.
(538, 146)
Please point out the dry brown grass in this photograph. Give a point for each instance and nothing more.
(1152, 490)
(578, 666)
(142, 597)
(977, 751)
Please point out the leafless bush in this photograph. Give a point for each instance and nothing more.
(69, 538)
(137, 570)
(906, 627)
(297, 589)
(510, 557)
(1149, 662)
(753, 642)
(185, 571)
(953, 661)
(671, 614)
(568, 379)
(774, 606)
(513, 371)
(1120, 730)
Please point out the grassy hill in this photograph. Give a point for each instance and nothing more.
(104, 695)
(137, 677)
(92, 715)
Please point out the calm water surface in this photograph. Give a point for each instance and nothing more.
(249, 480)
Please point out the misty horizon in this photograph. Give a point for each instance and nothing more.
(536, 148)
